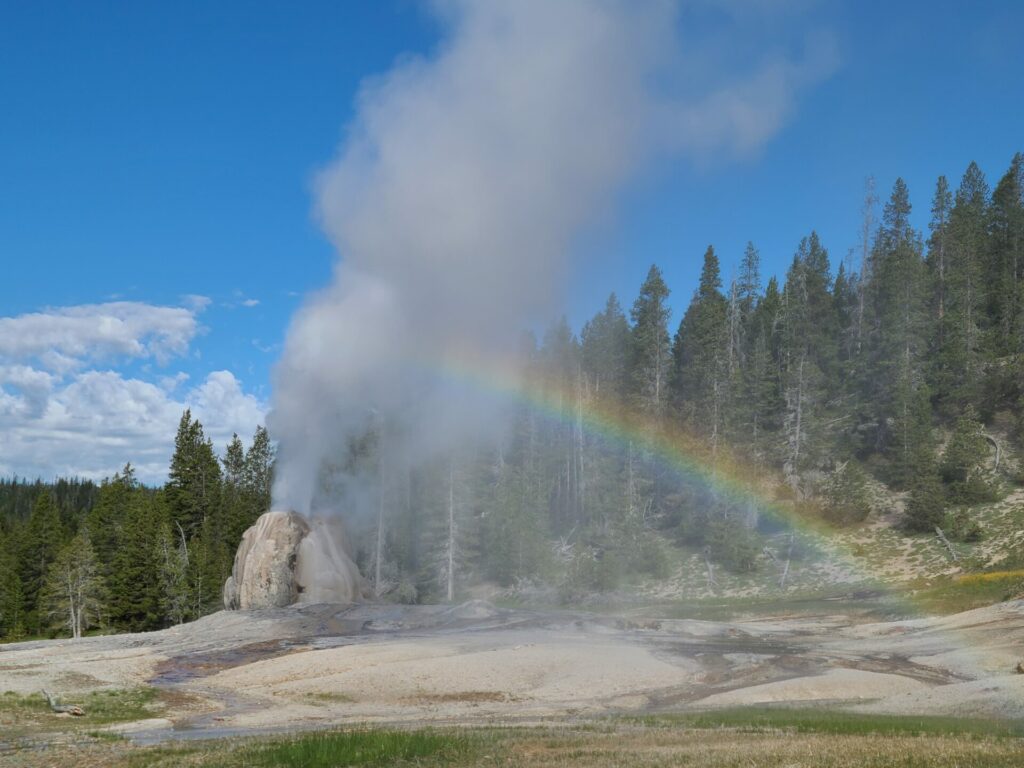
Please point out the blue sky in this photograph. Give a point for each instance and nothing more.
(155, 153)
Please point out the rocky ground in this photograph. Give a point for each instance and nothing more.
(319, 665)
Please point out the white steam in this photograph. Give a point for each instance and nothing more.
(456, 196)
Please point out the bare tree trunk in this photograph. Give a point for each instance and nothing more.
(798, 411)
(714, 415)
(378, 556)
(942, 272)
(581, 480)
(72, 623)
(785, 570)
(630, 482)
(734, 328)
(945, 542)
(995, 445)
(657, 377)
(451, 532)
(379, 548)
(710, 569)
(184, 544)
(867, 224)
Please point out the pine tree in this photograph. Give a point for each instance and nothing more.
(134, 585)
(846, 496)
(1005, 273)
(559, 366)
(234, 462)
(258, 470)
(898, 312)
(957, 365)
(105, 520)
(808, 352)
(171, 559)
(913, 446)
(207, 571)
(938, 248)
(963, 462)
(237, 504)
(193, 486)
(452, 532)
(926, 504)
(11, 598)
(514, 532)
(604, 350)
(73, 591)
(650, 356)
(748, 286)
(42, 540)
(700, 366)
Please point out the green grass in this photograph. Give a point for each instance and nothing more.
(106, 735)
(101, 707)
(738, 738)
(861, 602)
(838, 723)
(975, 590)
(358, 748)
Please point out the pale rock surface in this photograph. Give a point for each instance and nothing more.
(285, 559)
(324, 571)
(263, 575)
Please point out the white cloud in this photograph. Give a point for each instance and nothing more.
(62, 415)
(196, 302)
(64, 338)
(251, 303)
(171, 383)
(95, 421)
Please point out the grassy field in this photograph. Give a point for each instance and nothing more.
(26, 722)
(824, 721)
(102, 707)
(740, 738)
(973, 590)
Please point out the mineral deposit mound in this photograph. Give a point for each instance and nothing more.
(285, 558)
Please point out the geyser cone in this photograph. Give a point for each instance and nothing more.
(284, 558)
(324, 571)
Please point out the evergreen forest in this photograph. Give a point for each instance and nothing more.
(897, 366)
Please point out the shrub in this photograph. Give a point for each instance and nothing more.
(963, 463)
(733, 544)
(962, 527)
(925, 506)
(846, 495)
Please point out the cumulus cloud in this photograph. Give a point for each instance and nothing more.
(64, 411)
(65, 338)
(96, 421)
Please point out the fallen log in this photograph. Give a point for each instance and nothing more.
(62, 709)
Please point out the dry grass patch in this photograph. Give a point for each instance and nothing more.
(732, 748)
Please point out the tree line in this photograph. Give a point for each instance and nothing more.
(901, 364)
(123, 556)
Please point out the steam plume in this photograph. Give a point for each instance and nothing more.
(456, 196)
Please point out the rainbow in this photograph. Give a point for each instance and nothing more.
(691, 458)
